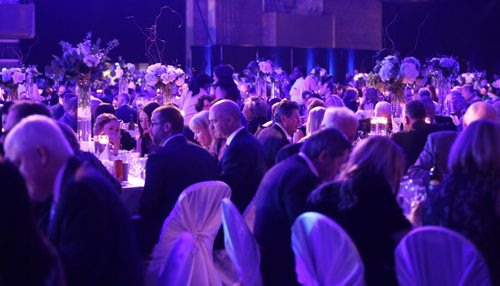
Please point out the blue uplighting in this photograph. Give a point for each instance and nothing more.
(310, 59)
(331, 62)
(350, 61)
(208, 58)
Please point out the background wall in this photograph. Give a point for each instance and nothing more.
(469, 29)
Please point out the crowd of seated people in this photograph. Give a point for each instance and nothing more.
(305, 152)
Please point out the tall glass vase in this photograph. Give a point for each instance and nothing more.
(166, 92)
(258, 86)
(443, 88)
(13, 93)
(84, 115)
(122, 85)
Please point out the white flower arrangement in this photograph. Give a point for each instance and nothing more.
(496, 84)
(389, 68)
(158, 74)
(468, 77)
(444, 66)
(410, 69)
(361, 76)
(266, 67)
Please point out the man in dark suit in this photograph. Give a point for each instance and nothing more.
(88, 224)
(242, 166)
(123, 111)
(176, 165)
(282, 197)
(439, 144)
(416, 130)
(273, 138)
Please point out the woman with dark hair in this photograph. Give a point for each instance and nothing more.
(256, 112)
(363, 202)
(144, 143)
(469, 200)
(187, 101)
(27, 258)
(224, 84)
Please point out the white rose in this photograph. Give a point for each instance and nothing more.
(409, 72)
(18, 77)
(118, 72)
(179, 72)
(278, 70)
(166, 78)
(151, 79)
(265, 67)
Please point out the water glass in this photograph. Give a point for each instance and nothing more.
(411, 193)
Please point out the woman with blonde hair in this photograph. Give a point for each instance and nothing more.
(199, 124)
(363, 201)
(108, 124)
(313, 123)
(469, 200)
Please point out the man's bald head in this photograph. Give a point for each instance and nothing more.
(479, 110)
(225, 118)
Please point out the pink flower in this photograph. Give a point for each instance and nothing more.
(18, 77)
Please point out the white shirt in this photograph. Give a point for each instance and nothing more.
(170, 138)
(310, 164)
(286, 133)
(187, 103)
(297, 89)
(231, 137)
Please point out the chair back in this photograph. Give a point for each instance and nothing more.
(198, 213)
(240, 245)
(324, 252)
(177, 269)
(434, 255)
(249, 215)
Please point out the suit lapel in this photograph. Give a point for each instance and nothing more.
(57, 209)
(283, 135)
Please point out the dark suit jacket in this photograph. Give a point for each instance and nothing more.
(438, 143)
(280, 199)
(125, 112)
(242, 167)
(272, 140)
(170, 170)
(412, 141)
(92, 231)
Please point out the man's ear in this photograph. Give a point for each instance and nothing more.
(324, 155)
(43, 155)
(167, 126)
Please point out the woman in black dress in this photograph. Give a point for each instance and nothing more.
(363, 201)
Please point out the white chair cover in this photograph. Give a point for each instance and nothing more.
(434, 255)
(197, 212)
(249, 215)
(241, 245)
(324, 253)
(177, 269)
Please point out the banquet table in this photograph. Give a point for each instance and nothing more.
(131, 194)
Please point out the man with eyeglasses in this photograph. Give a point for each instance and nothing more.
(176, 165)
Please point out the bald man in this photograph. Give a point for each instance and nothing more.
(242, 165)
(88, 224)
(439, 143)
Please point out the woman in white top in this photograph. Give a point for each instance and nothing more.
(197, 88)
